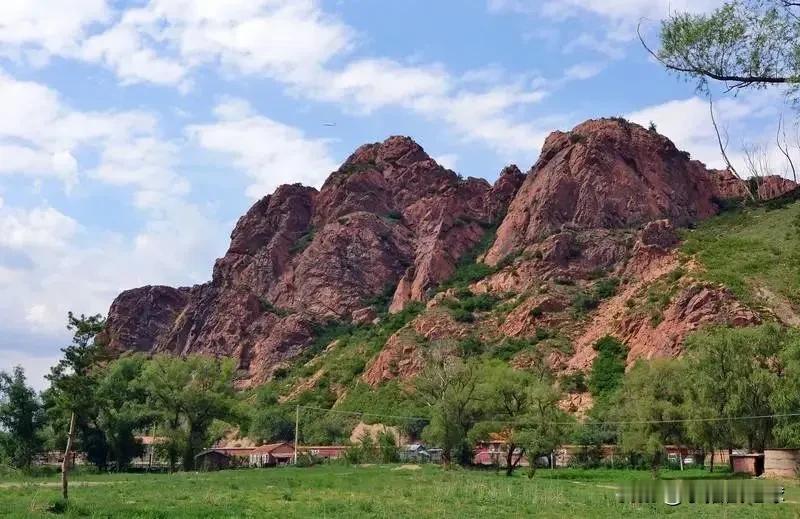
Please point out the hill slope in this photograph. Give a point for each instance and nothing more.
(531, 270)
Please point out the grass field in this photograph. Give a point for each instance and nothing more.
(367, 491)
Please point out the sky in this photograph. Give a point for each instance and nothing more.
(133, 134)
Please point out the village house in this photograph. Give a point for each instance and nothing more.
(272, 454)
(325, 452)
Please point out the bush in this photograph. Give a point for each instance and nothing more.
(606, 288)
(471, 346)
(510, 347)
(463, 316)
(608, 367)
(573, 383)
(302, 242)
(584, 302)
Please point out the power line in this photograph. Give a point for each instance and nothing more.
(364, 413)
(610, 422)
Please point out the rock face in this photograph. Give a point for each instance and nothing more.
(391, 224)
(390, 218)
(608, 174)
(727, 186)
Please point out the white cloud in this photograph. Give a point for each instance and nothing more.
(38, 228)
(269, 152)
(295, 42)
(45, 27)
(36, 366)
(40, 136)
(748, 119)
(447, 160)
(74, 267)
(582, 71)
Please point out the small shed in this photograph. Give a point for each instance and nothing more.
(781, 463)
(752, 464)
(212, 459)
(326, 452)
(272, 454)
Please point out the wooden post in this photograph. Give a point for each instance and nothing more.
(65, 463)
(296, 430)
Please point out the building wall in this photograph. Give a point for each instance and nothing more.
(781, 463)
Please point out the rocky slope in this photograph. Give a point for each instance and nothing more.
(598, 209)
(390, 220)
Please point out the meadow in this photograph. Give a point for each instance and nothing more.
(360, 491)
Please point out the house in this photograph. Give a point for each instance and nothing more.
(149, 458)
(326, 452)
(752, 464)
(414, 453)
(494, 451)
(217, 458)
(781, 463)
(566, 455)
(680, 455)
(272, 454)
(212, 459)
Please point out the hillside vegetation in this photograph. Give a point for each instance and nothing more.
(755, 252)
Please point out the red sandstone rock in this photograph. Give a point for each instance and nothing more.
(390, 217)
(605, 173)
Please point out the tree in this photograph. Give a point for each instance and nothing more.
(732, 373)
(786, 397)
(73, 380)
(447, 387)
(188, 394)
(270, 422)
(121, 404)
(21, 416)
(608, 367)
(651, 396)
(743, 44)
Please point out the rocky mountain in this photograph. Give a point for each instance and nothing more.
(599, 209)
(389, 221)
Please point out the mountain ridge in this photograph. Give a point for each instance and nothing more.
(393, 224)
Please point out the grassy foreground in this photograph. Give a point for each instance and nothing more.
(368, 491)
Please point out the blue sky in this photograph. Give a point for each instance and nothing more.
(133, 134)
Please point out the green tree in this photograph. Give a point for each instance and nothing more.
(733, 373)
(21, 417)
(121, 402)
(73, 381)
(786, 397)
(522, 409)
(651, 396)
(270, 422)
(447, 386)
(608, 367)
(743, 44)
(188, 394)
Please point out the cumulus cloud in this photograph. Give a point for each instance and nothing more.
(749, 119)
(40, 137)
(39, 28)
(299, 44)
(269, 152)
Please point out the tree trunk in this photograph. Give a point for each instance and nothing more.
(730, 458)
(680, 457)
(510, 460)
(67, 452)
(711, 465)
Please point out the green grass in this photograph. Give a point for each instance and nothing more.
(347, 491)
(747, 248)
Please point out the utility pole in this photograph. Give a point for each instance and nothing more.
(296, 430)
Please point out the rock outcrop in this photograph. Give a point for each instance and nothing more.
(391, 224)
(604, 174)
(390, 218)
